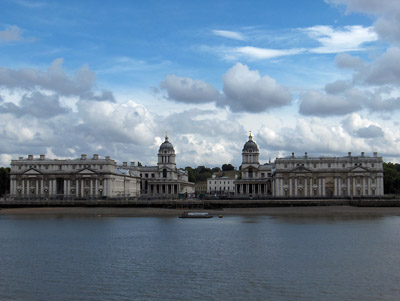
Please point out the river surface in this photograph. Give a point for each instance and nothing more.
(233, 258)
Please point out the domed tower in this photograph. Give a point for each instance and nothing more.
(166, 158)
(250, 152)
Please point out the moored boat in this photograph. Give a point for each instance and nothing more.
(195, 215)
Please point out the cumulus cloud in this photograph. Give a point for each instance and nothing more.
(371, 131)
(348, 38)
(187, 90)
(10, 34)
(317, 138)
(54, 79)
(387, 24)
(246, 91)
(229, 34)
(317, 103)
(35, 104)
(347, 61)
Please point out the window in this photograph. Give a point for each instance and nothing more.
(250, 173)
(164, 173)
(285, 165)
(315, 165)
(343, 165)
(300, 182)
(146, 175)
(101, 166)
(152, 175)
(372, 165)
(329, 164)
(60, 167)
(262, 175)
(101, 182)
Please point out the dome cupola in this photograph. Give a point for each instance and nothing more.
(250, 146)
(166, 145)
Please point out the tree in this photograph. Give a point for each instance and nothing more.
(391, 178)
(227, 167)
(216, 169)
(4, 180)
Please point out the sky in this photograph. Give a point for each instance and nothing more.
(112, 77)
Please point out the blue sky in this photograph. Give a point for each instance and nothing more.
(112, 77)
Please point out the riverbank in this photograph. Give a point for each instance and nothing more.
(316, 211)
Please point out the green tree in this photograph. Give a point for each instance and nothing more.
(4, 180)
(228, 167)
(391, 178)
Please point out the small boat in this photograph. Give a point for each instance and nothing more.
(195, 215)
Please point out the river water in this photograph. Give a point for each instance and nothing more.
(233, 258)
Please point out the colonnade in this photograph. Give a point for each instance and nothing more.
(164, 188)
(41, 186)
(252, 188)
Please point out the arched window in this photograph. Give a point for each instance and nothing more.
(250, 173)
(164, 173)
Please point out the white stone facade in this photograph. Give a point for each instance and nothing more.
(309, 177)
(221, 185)
(332, 177)
(71, 179)
(163, 180)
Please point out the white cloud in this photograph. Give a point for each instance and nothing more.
(187, 90)
(54, 79)
(387, 24)
(10, 34)
(229, 34)
(246, 91)
(349, 38)
(263, 53)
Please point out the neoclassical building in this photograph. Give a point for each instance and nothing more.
(164, 179)
(256, 178)
(348, 176)
(309, 177)
(71, 179)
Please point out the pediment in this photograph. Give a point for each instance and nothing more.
(86, 171)
(32, 171)
(358, 169)
(300, 169)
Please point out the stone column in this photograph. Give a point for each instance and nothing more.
(65, 187)
(349, 187)
(319, 187)
(290, 187)
(354, 186)
(295, 186)
(82, 185)
(91, 187)
(96, 187)
(363, 186)
(41, 186)
(37, 187)
(305, 187)
(369, 185)
(76, 188)
(28, 187)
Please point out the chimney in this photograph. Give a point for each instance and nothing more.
(30, 157)
(124, 164)
(42, 157)
(83, 157)
(95, 156)
(107, 157)
(349, 154)
(305, 155)
(362, 154)
(292, 155)
(21, 158)
(133, 163)
(375, 154)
